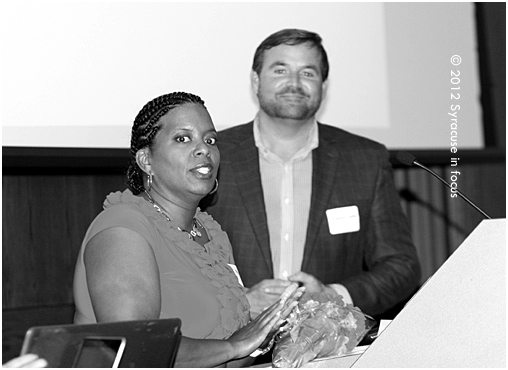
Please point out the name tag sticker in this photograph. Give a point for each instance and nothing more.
(343, 220)
(235, 270)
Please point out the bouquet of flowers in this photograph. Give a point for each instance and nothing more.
(319, 327)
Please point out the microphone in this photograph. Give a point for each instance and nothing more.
(408, 159)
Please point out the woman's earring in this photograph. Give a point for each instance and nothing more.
(150, 180)
(216, 187)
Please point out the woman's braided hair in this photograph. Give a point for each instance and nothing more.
(145, 127)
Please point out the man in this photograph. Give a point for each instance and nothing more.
(304, 201)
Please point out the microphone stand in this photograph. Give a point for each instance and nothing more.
(409, 196)
(455, 190)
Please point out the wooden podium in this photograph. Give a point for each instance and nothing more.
(458, 318)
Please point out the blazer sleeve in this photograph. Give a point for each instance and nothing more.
(392, 268)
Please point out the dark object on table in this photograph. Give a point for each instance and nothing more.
(140, 343)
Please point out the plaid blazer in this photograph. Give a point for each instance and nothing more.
(378, 264)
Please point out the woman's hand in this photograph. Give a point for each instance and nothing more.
(247, 339)
(28, 360)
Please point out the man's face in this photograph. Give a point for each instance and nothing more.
(290, 85)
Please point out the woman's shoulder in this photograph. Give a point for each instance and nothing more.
(218, 237)
(207, 219)
(212, 226)
(122, 198)
(120, 202)
(124, 209)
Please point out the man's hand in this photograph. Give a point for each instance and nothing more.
(311, 284)
(264, 294)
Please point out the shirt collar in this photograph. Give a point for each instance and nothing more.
(312, 141)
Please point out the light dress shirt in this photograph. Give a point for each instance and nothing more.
(287, 189)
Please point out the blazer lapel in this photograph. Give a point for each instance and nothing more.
(326, 164)
(248, 177)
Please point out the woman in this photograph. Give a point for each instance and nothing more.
(151, 253)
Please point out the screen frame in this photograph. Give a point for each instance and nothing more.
(119, 352)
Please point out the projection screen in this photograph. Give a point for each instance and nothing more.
(74, 75)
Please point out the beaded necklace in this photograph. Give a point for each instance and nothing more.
(192, 234)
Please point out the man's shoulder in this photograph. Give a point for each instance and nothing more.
(347, 139)
(238, 132)
(234, 139)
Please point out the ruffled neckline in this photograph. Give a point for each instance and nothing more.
(212, 260)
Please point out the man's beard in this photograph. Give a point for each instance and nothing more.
(289, 110)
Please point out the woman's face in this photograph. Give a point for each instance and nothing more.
(185, 158)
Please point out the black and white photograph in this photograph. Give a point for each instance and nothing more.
(253, 184)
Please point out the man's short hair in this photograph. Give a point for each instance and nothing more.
(291, 36)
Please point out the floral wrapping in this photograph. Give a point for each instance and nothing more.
(319, 327)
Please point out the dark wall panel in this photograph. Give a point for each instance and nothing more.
(44, 219)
